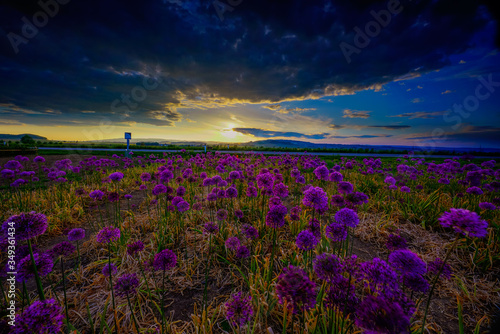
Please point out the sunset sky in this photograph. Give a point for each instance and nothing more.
(246, 70)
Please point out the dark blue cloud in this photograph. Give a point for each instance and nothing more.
(94, 52)
(271, 134)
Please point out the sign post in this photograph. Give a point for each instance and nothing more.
(128, 136)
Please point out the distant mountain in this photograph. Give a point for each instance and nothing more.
(18, 137)
(283, 143)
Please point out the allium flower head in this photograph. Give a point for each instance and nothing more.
(64, 248)
(341, 295)
(336, 232)
(336, 177)
(275, 217)
(321, 172)
(379, 315)
(327, 267)
(416, 282)
(183, 206)
(306, 241)
(116, 176)
(395, 242)
(407, 262)
(405, 189)
(165, 260)
(238, 213)
(239, 309)
(126, 285)
(76, 234)
(96, 194)
(474, 191)
(108, 234)
(378, 275)
(487, 206)
(295, 287)
(232, 243)
(221, 214)
(316, 198)
(390, 180)
(465, 222)
(27, 225)
(42, 317)
(210, 228)
(159, 189)
(347, 217)
(109, 268)
(135, 247)
(250, 232)
(345, 187)
(433, 268)
(242, 252)
(338, 200)
(43, 263)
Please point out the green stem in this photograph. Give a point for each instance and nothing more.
(64, 289)
(37, 277)
(436, 280)
(132, 313)
(111, 286)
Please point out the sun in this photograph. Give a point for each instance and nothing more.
(229, 133)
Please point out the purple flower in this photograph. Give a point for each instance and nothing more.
(345, 187)
(39, 159)
(135, 247)
(338, 200)
(347, 217)
(487, 206)
(96, 194)
(474, 191)
(327, 267)
(238, 214)
(275, 217)
(321, 172)
(242, 252)
(395, 242)
(336, 177)
(64, 248)
(210, 228)
(145, 177)
(306, 241)
(27, 225)
(356, 198)
(42, 317)
(295, 287)
(378, 275)
(43, 263)
(407, 262)
(280, 190)
(239, 309)
(231, 192)
(183, 206)
(232, 243)
(265, 181)
(165, 260)
(126, 285)
(379, 315)
(465, 222)
(116, 176)
(314, 227)
(405, 189)
(416, 282)
(250, 232)
(433, 268)
(221, 214)
(109, 269)
(341, 295)
(108, 234)
(336, 232)
(76, 234)
(159, 189)
(390, 180)
(316, 198)
(181, 191)
(128, 196)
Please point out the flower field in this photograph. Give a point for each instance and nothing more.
(221, 243)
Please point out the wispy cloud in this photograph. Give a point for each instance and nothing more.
(263, 133)
(421, 114)
(348, 113)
